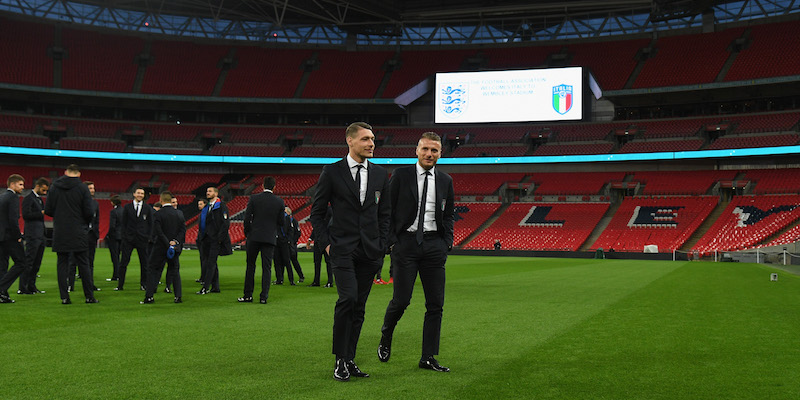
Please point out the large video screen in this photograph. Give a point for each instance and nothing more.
(551, 94)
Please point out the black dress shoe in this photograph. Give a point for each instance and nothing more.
(202, 291)
(198, 281)
(4, 299)
(23, 292)
(117, 288)
(314, 284)
(213, 291)
(263, 301)
(178, 300)
(292, 284)
(96, 289)
(92, 300)
(328, 285)
(245, 299)
(167, 290)
(385, 349)
(301, 280)
(432, 364)
(66, 301)
(277, 283)
(148, 300)
(355, 371)
(141, 287)
(340, 372)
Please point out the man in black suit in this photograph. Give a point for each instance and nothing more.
(283, 265)
(262, 219)
(114, 235)
(168, 286)
(294, 236)
(10, 235)
(214, 224)
(169, 232)
(356, 238)
(70, 204)
(201, 204)
(137, 227)
(319, 254)
(422, 232)
(94, 236)
(33, 215)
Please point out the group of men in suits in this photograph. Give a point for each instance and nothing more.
(412, 214)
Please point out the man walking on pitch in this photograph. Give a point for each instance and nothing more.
(356, 238)
(263, 218)
(33, 214)
(422, 223)
(169, 233)
(10, 235)
(216, 241)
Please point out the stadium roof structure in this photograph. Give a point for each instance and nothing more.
(397, 22)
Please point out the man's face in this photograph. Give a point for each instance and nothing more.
(428, 153)
(210, 193)
(201, 204)
(138, 194)
(41, 190)
(362, 145)
(174, 202)
(91, 190)
(17, 186)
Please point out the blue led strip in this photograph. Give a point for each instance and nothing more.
(662, 156)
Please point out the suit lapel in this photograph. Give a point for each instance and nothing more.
(347, 176)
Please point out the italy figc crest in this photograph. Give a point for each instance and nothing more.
(562, 98)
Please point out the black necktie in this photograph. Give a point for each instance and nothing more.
(422, 200)
(358, 181)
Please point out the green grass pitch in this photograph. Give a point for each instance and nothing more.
(513, 328)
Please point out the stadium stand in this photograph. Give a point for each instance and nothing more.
(610, 62)
(99, 61)
(687, 59)
(338, 70)
(541, 226)
(24, 141)
(319, 151)
(417, 65)
(661, 145)
(247, 150)
(768, 122)
(768, 43)
(568, 183)
(587, 132)
(680, 182)
(489, 151)
(26, 44)
(269, 73)
(92, 145)
(179, 183)
(519, 57)
(749, 220)
(168, 74)
(553, 149)
(774, 181)
(666, 222)
(482, 183)
(469, 217)
(740, 142)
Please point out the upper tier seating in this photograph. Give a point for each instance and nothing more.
(666, 222)
(23, 45)
(570, 183)
(661, 145)
(482, 183)
(489, 151)
(267, 73)
(183, 68)
(773, 52)
(99, 61)
(741, 142)
(573, 149)
(337, 75)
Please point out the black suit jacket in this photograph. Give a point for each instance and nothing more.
(115, 223)
(352, 223)
(294, 229)
(137, 229)
(404, 195)
(217, 224)
(168, 225)
(32, 207)
(9, 216)
(263, 217)
(94, 228)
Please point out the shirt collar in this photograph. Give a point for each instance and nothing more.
(351, 163)
(268, 190)
(421, 170)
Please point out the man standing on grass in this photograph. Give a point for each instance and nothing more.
(70, 204)
(201, 204)
(33, 215)
(169, 233)
(356, 238)
(263, 218)
(137, 226)
(422, 224)
(10, 235)
(214, 223)
(114, 236)
(294, 236)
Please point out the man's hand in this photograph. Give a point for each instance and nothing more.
(328, 250)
